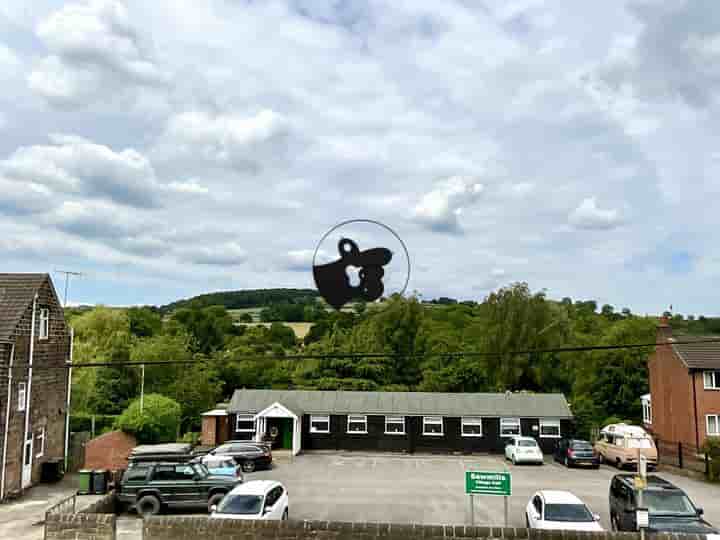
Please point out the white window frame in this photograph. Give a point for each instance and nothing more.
(471, 421)
(713, 377)
(550, 422)
(319, 418)
(41, 437)
(44, 330)
(394, 420)
(514, 422)
(647, 412)
(432, 421)
(354, 418)
(717, 425)
(22, 396)
(245, 418)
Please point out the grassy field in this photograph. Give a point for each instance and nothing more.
(300, 328)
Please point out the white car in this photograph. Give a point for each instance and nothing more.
(560, 510)
(259, 499)
(523, 450)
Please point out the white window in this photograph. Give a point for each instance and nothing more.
(244, 423)
(550, 428)
(712, 380)
(357, 423)
(44, 324)
(319, 424)
(432, 425)
(647, 412)
(509, 427)
(40, 442)
(395, 425)
(22, 397)
(471, 426)
(713, 424)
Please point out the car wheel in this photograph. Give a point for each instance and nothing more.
(567, 462)
(215, 500)
(613, 523)
(248, 466)
(148, 505)
(513, 460)
(527, 521)
(286, 514)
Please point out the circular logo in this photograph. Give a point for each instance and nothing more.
(360, 259)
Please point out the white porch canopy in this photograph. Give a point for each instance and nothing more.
(278, 410)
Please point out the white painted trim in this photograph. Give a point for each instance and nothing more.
(549, 422)
(286, 413)
(29, 394)
(320, 418)
(442, 426)
(7, 421)
(69, 393)
(356, 432)
(717, 425)
(473, 423)
(403, 432)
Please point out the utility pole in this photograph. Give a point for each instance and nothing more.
(68, 275)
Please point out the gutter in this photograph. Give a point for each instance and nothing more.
(7, 422)
(69, 393)
(697, 431)
(28, 401)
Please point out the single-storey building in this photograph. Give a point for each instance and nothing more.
(391, 421)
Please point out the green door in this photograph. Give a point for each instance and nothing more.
(287, 433)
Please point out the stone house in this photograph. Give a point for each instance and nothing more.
(35, 347)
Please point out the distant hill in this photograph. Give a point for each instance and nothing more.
(254, 298)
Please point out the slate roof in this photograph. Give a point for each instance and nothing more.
(698, 355)
(403, 403)
(16, 293)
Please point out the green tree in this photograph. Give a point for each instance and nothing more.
(143, 322)
(157, 422)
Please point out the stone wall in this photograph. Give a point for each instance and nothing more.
(80, 527)
(106, 505)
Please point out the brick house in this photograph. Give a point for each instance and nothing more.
(35, 346)
(684, 401)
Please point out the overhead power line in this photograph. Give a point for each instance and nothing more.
(325, 356)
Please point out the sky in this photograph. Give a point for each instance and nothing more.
(170, 148)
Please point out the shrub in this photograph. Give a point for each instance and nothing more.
(192, 437)
(158, 422)
(712, 449)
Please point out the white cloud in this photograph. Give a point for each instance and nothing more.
(95, 52)
(439, 209)
(227, 254)
(302, 260)
(190, 186)
(74, 165)
(589, 216)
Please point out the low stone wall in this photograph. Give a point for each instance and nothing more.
(80, 527)
(106, 505)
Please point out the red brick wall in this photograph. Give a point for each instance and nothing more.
(708, 403)
(48, 394)
(208, 436)
(109, 451)
(671, 394)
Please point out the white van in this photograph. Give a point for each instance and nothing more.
(619, 444)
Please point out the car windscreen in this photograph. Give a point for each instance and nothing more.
(581, 445)
(240, 504)
(576, 513)
(213, 462)
(527, 443)
(639, 443)
(672, 503)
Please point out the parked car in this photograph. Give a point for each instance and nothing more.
(575, 452)
(220, 465)
(248, 455)
(523, 450)
(619, 445)
(670, 509)
(560, 510)
(259, 499)
(151, 486)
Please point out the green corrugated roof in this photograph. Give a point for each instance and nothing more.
(406, 403)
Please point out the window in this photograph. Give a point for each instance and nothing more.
(44, 324)
(245, 424)
(712, 380)
(550, 428)
(620, 441)
(509, 427)
(174, 473)
(357, 424)
(395, 425)
(319, 424)
(40, 442)
(713, 424)
(136, 473)
(433, 425)
(537, 504)
(273, 496)
(647, 412)
(471, 426)
(22, 398)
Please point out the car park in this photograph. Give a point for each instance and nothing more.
(576, 452)
(250, 456)
(620, 444)
(523, 450)
(152, 486)
(560, 510)
(259, 499)
(669, 507)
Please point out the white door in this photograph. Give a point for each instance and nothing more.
(27, 461)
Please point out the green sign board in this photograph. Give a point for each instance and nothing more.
(488, 483)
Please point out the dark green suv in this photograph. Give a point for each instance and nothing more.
(151, 486)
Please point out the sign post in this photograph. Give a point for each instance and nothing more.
(642, 518)
(488, 483)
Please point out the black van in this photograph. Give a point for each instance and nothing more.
(670, 509)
